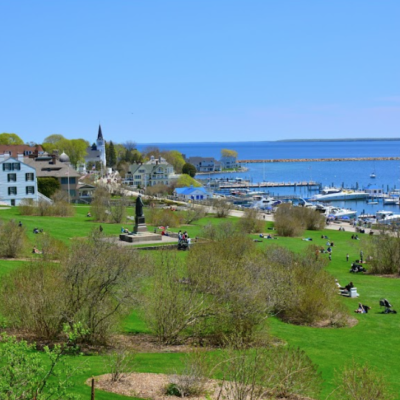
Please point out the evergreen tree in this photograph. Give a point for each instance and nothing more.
(112, 155)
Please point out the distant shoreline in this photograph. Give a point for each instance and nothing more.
(342, 140)
(293, 160)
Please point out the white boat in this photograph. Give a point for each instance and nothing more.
(265, 202)
(334, 194)
(385, 216)
(338, 212)
(390, 201)
(373, 175)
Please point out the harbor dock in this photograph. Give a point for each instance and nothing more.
(248, 185)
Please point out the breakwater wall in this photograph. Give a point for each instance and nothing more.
(291, 160)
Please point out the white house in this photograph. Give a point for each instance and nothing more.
(192, 193)
(153, 172)
(17, 180)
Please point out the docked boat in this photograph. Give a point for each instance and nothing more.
(385, 216)
(334, 194)
(266, 203)
(338, 212)
(390, 201)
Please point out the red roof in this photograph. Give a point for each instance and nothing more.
(15, 149)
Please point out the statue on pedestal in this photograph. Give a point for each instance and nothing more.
(140, 224)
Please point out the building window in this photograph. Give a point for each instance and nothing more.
(11, 166)
(138, 177)
(30, 190)
(29, 176)
(12, 190)
(64, 181)
(72, 193)
(11, 177)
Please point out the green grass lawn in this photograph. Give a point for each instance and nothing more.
(374, 340)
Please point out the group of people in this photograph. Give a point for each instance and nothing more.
(184, 241)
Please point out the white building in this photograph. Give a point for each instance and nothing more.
(153, 172)
(97, 152)
(17, 180)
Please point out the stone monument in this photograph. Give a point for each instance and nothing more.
(140, 223)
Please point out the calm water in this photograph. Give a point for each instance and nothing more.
(349, 174)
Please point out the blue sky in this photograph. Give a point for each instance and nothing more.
(200, 70)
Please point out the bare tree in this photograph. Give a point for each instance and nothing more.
(117, 209)
(100, 204)
(221, 207)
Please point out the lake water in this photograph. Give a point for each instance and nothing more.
(335, 173)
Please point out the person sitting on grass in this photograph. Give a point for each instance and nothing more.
(36, 251)
(88, 215)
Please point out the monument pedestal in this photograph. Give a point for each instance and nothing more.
(140, 225)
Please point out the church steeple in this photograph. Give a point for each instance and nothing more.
(100, 134)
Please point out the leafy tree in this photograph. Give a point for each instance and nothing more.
(10, 138)
(229, 153)
(189, 169)
(53, 139)
(48, 186)
(25, 374)
(76, 149)
(175, 158)
(186, 180)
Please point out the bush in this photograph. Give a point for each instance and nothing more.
(361, 382)
(221, 207)
(12, 239)
(193, 377)
(59, 208)
(96, 284)
(100, 203)
(251, 221)
(384, 251)
(305, 293)
(163, 217)
(292, 221)
(264, 372)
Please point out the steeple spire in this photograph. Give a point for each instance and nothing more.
(100, 134)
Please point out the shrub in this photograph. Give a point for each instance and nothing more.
(60, 207)
(12, 239)
(194, 213)
(163, 217)
(292, 221)
(305, 293)
(384, 251)
(264, 372)
(100, 203)
(193, 378)
(96, 284)
(251, 221)
(361, 382)
(120, 362)
(221, 207)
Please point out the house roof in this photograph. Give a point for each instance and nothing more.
(197, 160)
(13, 159)
(15, 149)
(46, 169)
(188, 190)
